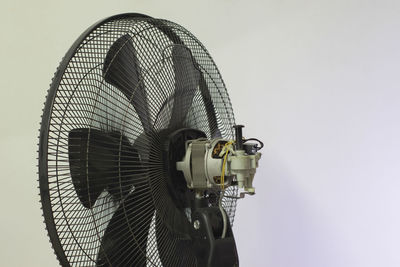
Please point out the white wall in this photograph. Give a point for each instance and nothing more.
(317, 81)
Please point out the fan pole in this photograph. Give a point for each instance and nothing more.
(212, 250)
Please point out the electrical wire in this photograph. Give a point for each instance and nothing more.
(255, 139)
(227, 148)
(224, 218)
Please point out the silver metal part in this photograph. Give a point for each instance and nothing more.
(202, 166)
(196, 224)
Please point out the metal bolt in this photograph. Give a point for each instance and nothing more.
(196, 224)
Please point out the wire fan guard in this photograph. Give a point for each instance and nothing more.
(84, 104)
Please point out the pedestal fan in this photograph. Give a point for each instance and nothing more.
(140, 160)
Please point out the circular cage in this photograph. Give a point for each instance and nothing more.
(125, 84)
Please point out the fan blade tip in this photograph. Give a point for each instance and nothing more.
(122, 70)
(121, 45)
(117, 45)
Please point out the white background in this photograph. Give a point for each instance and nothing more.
(317, 81)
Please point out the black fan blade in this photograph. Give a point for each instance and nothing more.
(100, 160)
(210, 109)
(186, 82)
(122, 70)
(125, 239)
(181, 247)
(205, 93)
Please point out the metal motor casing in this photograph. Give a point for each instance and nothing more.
(201, 167)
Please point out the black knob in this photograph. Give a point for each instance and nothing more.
(239, 136)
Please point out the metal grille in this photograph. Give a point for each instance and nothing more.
(80, 98)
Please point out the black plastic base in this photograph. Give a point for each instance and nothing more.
(211, 250)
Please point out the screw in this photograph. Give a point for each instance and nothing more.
(196, 224)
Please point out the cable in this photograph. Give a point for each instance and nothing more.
(255, 139)
(224, 219)
(226, 146)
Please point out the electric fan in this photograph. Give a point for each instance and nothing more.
(140, 160)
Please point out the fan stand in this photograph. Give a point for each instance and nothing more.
(212, 250)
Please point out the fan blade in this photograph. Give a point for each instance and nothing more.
(100, 160)
(210, 109)
(186, 82)
(125, 239)
(122, 70)
(168, 243)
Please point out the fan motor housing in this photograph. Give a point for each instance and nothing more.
(203, 162)
(174, 150)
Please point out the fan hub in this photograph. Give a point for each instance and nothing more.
(176, 149)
